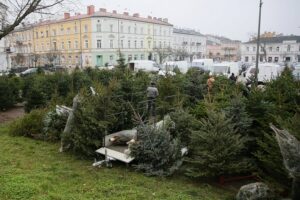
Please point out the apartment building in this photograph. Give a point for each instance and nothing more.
(93, 39)
(3, 54)
(189, 43)
(273, 49)
(221, 48)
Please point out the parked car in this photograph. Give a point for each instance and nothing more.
(29, 72)
(143, 65)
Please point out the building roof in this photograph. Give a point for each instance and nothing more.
(278, 39)
(186, 31)
(159, 21)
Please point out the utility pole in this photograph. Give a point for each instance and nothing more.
(258, 43)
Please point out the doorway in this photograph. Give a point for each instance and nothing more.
(99, 61)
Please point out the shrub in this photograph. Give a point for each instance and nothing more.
(54, 125)
(216, 149)
(156, 152)
(9, 92)
(31, 125)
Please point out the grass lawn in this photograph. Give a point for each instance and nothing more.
(32, 169)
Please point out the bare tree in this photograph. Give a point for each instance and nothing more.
(35, 58)
(163, 53)
(181, 54)
(18, 10)
(52, 56)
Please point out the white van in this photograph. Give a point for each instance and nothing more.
(183, 66)
(266, 72)
(204, 64)
(225, 69)
(143, 65)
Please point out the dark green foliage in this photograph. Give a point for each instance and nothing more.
(216, 148)
(184, 124)
(239, 117)
(35, 99)
(121, 62)
(156, 152)
(93, 118)
(31, 125)
(54, 125)
(9, 92)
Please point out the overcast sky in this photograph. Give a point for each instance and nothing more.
(236, 19)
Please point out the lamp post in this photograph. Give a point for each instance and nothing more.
(258, 43)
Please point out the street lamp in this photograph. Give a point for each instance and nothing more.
(258, 43)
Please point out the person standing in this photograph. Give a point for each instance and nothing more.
(152, 94)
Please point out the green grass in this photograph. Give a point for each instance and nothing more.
(32, 169)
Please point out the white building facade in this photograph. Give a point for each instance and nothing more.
(273, 49)
(189, 42)
(134, 36)
(3, 54)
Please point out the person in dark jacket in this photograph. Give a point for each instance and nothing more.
(152, 94)
(232, 77)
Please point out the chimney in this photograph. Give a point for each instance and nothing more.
(149, 17)
(159, 19)
(115, 12)
(103, 10)
(66, 15)
(91, 10)
(126, 13)
(165, 20)
(136, 15)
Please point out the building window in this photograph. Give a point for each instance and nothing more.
(69, 31)
(246, 59)
(98, 27)
(149, 44)
(75, 29)
(277, 49)
(122, 29)
(99, 44)
(42, 34)
(160, 45)
(62, 45)
(135, 57)
(248, 50)
(111, 44)
(86, 44)
(54, 32)
(111, 58)
(270, 49)
(142, 57)
(62, 31)
(128, 44)
(135, 44)
(129, 29)
(122, 44)
(149, 31)
(111, 28)
(86, 28)
(276, 59)
(129, 58)
(155, 31)
(135, 30)
(54, 46)
(142, 30)
(76, 45)
(165, 45)
(270, 59)
(69, 45)
(142, 44)
(36, 35)
(47, 33)
(254, 49)
(288, 48)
